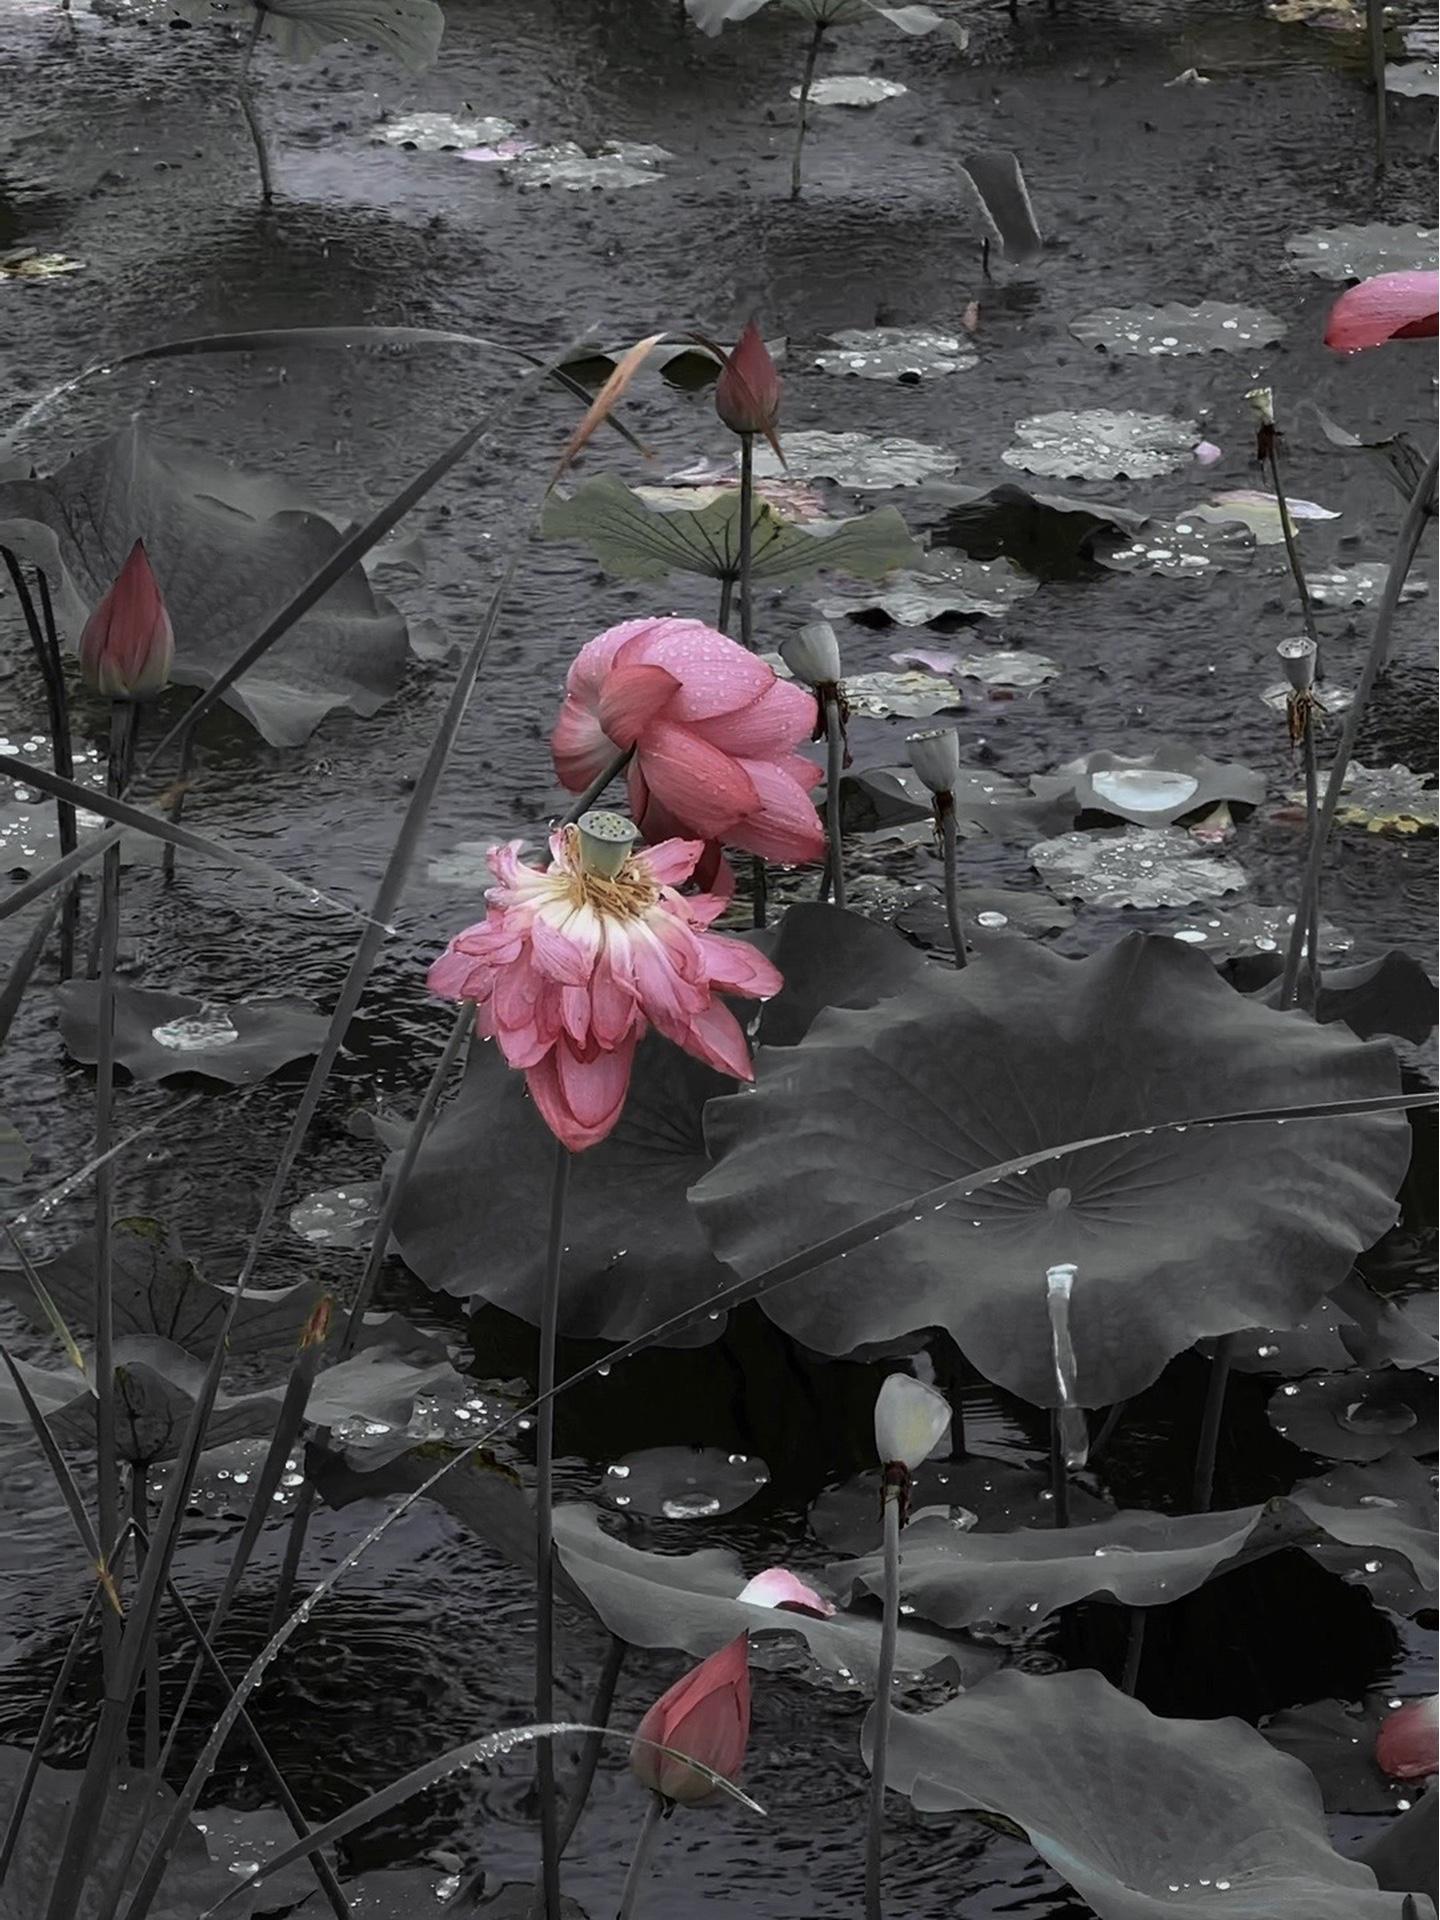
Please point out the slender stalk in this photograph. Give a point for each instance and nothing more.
(1059, 1480)
(802, 112)
(747, 538)
(123, 716)
(597, 786)
(1210, 1424)
(759, 892)
(1134, 1651)
(1107, 1429)
(177, 808)
(640, 1860)
(247, 107)
(834, 772)
(598, 1716)
(1310, 906)
(1292, 550)
(727, 596)
(544, 1534)
(884, 1686)
(952, 897)
(1375, 23)
(1422, 503)
(140, 1514)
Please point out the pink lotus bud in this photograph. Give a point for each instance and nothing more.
(1406, 1745)
(706, 1714)
(127, 647)
(747, 394)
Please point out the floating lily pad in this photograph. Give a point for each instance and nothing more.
(914, 695)
(1413, 79)
(976, 1492)
(1358, 1416)
(1143, 1816)
(1152, 789)
(906, 354)
(951, 584)
(1391, 994)
(224, 1483)
(1386, 800)
(1359, 586)
(1181, 549)
(1135, 867)
(443, 132)
(989, 916)
(159, 1035)
(684, 1483)
(1260, 512)
(876, 798)
(1358, 253)
(1050, 535)
(1212, 327)
(1097, 443)
(1227, 931)
(1008, 667)
(851, 90)
(242, 1840)
(861, 461)
(1380, 1519)
(340, 1217)
(1336, 1741)
(28, 263)
(617, 163)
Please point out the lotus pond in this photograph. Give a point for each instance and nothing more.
(1041, 1344)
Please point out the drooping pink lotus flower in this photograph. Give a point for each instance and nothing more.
(706, 1714)
(779, 1589)
(1407, 1746)
(748, 391)
(127, 646)
(1392, 306)
(572, 964)
(714, 733)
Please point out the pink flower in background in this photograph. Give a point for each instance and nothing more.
(127, 646)
(1407, 1743)
(706, 1714)
(779, 1589)
(714, 733)
(1392, 306)
(572, 965)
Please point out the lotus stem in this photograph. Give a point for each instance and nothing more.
(1310, 907)
(123, 717)
(1059, 1480)
(747, 538)
(247, 107)
(802, 112)
(640, 1860)
(545, 1537)
(1375, 23)
(948, 839)
(1292, 551)
(46, 644)
(177, 805)
(598, 1716)
(884, 1685)
(1134, 1651)
(1107, 1429)
(1422, 504)
(727, 596)
(140, 1514)
(833, 880)
(597, 786)
(1210, 1423)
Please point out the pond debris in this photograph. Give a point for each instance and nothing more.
(1098, 443)
(1260, 512)
(1211, 327)
(28, 263)
(614, 164)
(851, 90)
(1385, 800)
(444, 132)
(211, 1026)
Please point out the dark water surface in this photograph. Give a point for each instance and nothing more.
(125, 151)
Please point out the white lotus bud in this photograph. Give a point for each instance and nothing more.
(1262, 405)
(910, 1421)
(935, 756)
(1297, 657)
(813, 654)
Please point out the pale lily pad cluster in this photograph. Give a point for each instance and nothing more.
(949, 584)
(852, 90)
(1096, 443)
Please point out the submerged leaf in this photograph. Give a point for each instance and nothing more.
(410, 29)
(1135, 867)
(1260, 512)
(1382, 1518)
(159, 1035)
(1097, 443)
(683, 1483)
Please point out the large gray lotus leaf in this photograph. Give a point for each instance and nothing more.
(860, 461)
(1181, 549)
(1212, 327)
(225, 565)
(947, 583)
(1356, 253)
(1147, 1818)
(1358, 1416)
(1099, 443)
(907, 354)
(690, 1602)
(159, 1035)
(1152, 789)
(1381, 1519)
(1176, 1235)
(651, 534)
(1135, 867)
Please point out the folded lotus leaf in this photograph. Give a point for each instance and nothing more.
(1151, 789)
(1176, 1234)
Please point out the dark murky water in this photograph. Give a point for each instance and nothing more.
(126, 152)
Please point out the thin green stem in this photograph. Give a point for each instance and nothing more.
(802, 112)
(948, 838)
(1107, 1430)
(1134, 1651)
(640, 1860)
(759, 891)
(247, 107)
(727, 596)
(834, 772)
(598, 1717)
(597, 786)
(140, 1514)
(1375, 24)
(1059, 1479)
(884, 1686)
(1210, 1420)
(1292, 550)
(1311, 906)
(177, 806)
(545, 1536)
(747, 538)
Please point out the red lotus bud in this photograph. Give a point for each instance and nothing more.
(747, 394)
(127, 647)
(706, 1714)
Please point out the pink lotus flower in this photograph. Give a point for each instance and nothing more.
(1392, 306)
(747, 393)
(779, 1589)
(572, 965)
(706, 1715)
(127, 646)
(1407, 1746)
(714, 733)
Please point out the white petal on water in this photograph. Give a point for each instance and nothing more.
(200, 1032)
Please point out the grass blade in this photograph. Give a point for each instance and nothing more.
(26, 962)
(64, 1480)
(51, 1198)
(48, 1307)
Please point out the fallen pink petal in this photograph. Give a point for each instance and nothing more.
(777, 1587)
(1407, 1746)
(1392, 306)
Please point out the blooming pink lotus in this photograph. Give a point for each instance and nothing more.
(713, 730)
(127, 646)
(1392, 306)
(780, 1590)
(572, 965)
(706, 1715)
(1407, 1746)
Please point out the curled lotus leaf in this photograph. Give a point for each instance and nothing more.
(1048, 534)
(1210, 327)
(1142, 1815)
(159, 1035)
(829, 957)
(1391, 994)
(1358, 1416)
(967, 1070)
(1135, 867)
(1099, 443)
(1353, 1326)
(1153, 789)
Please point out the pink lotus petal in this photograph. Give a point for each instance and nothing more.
(710, 790)
(1392, 306)
(941, 663)
(1406, 1745)
(778, 1588)
(1207, 453)
(503, 150)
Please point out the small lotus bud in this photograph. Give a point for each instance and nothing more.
(1297, 657)
(813, 654)
(935, 756)
(910, 1421)
(706, 1714)
(1262, 405)
(604, 840)
(747, 394)
(127, 646)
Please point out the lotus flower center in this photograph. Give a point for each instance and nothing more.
(626, 895)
